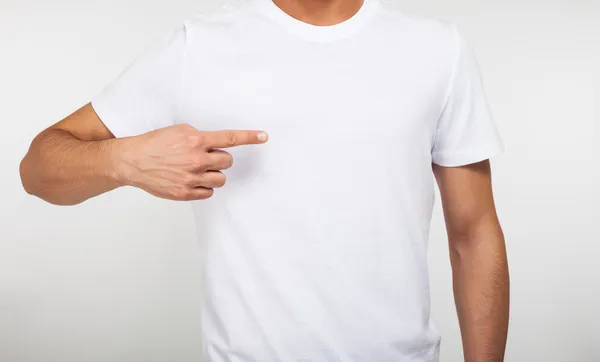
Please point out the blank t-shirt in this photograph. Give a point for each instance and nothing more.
(316, 248)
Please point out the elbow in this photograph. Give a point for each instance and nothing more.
(26, 177)
(29, 172)
(32, 183)
(37, 177)
(30, 180)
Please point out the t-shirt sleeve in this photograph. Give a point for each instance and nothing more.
(466, 131)
(146, 95)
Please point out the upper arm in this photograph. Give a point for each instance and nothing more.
(465, 132)
(465, 139)
(144, 97)
(85, 125)
(467, 197)
(148, 93)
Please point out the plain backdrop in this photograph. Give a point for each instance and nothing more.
(116, 279)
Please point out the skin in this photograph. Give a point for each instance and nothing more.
(78, 158)
(478, 258)
(320, 12)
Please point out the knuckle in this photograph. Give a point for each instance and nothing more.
(230, 138)
(195, 140)
(188, 180)
(184, 127)
(183, 193)
(199, 163)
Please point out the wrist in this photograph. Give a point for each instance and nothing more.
(119, 154)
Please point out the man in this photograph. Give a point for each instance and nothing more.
(316, 250)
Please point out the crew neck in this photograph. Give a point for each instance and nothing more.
(322, 33)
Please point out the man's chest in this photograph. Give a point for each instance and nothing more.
(328, 112)
(318, 93)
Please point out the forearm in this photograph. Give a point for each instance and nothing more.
(481, 290)
(64, 170)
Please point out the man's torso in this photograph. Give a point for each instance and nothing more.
(316, 249)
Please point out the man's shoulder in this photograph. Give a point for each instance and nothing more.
(415, 25)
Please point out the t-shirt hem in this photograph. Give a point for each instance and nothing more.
(456, 159)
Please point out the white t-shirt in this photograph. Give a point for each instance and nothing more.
(316, 248)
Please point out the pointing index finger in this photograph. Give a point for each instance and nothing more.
(232, 138)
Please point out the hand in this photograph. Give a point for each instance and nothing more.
(180, 162)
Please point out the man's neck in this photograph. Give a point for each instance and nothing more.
(320, 12)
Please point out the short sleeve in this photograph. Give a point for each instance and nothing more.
(147, 93)
(466, 131)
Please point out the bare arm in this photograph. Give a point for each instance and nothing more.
(73, 160)
(78, 158)
(478, 258)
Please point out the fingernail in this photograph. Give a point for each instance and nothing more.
(262, 136)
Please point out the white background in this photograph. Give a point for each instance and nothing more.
(116, 279)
